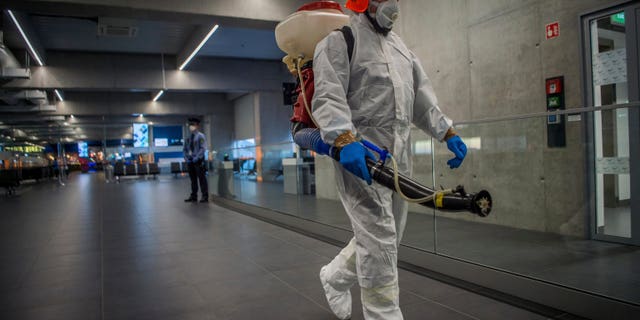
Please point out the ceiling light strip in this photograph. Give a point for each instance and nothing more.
(193, 54)
(24, 36)
(58, 95)
(158, 95)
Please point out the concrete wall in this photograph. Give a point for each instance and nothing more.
(119, 72)
(221, 126)
(263, 116)
(274, 134)
(274, 118)
(124, 103)
(488, 59)
(244, 117)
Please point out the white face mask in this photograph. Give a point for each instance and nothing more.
(192, 128)
(387, 13)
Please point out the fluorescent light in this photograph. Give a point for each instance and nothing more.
(24, 36)
(193, 54)
(158, 95)
(59, 95)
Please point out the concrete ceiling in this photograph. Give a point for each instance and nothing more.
(70, 28)
(153, 37)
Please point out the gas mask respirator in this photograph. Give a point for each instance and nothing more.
(386, 14)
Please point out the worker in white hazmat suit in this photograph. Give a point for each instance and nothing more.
(374, 92)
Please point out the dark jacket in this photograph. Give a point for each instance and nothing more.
(194, 153)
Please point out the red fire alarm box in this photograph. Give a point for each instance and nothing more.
(554, 86)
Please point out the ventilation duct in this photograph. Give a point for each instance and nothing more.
(9, 66)
(120, 28)
(9, 62)
(36, 97)
(7, 59)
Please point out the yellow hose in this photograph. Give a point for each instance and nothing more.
(396, 181)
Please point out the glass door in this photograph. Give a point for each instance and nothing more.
(612, 51)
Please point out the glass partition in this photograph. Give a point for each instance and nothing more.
(540, 223)
(611, 146)
(539, 226)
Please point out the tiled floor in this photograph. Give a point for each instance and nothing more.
(605, 268)
(92, 250)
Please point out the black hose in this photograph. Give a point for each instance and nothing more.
(477, 203)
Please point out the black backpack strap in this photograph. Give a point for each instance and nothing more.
(348, 37)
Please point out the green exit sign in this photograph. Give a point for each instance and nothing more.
(618, 19)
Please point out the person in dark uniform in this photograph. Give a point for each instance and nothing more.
(193, 149)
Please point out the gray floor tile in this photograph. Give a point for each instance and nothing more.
(79, 310)
(166, 260)
(151, 304)
(431, 310)
(288, 306)
(61, 293)
(427, 288)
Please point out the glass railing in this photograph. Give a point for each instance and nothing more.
(548, 201)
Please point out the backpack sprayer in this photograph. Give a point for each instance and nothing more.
(298, 36)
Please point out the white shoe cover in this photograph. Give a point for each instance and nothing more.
(340, 302)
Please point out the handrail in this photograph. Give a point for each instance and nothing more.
(573, 111)
(544, 114)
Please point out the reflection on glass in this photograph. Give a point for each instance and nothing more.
(613, 183)
(538, 224)
(419, 232)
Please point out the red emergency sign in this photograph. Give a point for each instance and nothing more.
(553, 30)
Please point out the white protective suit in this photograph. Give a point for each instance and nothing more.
(377, 96)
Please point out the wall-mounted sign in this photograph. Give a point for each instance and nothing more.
(553, 119)
(24, 149)
(610, 67)
(554, 86)
(161, 142)
(556, 132)
(552, 30)
(618, 19)
(140, 135)
(554, 102)
(83, 149)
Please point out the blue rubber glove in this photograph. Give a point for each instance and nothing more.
(459, 149)
(353, 158)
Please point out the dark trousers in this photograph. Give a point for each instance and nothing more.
(197, 172)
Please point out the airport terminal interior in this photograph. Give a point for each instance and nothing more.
(99, 100)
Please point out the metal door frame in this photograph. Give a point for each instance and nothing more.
(632, 16)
